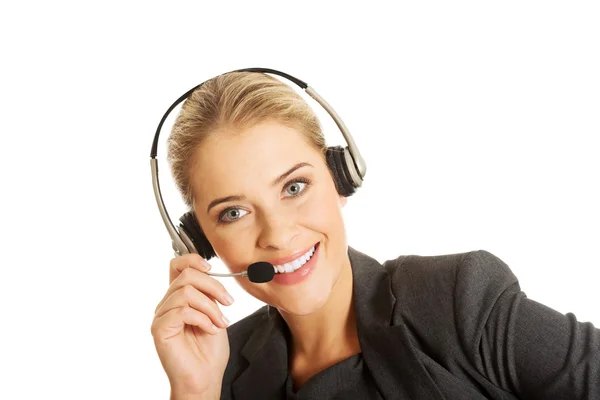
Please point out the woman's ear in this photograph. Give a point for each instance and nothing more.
(343, 200)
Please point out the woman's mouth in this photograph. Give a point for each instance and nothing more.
(297, 270)
(295, 264)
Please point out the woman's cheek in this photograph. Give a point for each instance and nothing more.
(231, 250)
(321, 209)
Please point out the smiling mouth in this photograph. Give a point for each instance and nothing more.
(296, 264)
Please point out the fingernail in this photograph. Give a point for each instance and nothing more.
(228, 298)
(207, 265)
(225, 320)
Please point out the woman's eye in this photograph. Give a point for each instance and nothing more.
(231, 214)
(295, 187)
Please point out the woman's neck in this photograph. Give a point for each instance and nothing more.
(330, 333)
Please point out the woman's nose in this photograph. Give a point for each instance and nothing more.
(277, 231)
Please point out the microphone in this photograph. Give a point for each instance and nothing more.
(258, 272)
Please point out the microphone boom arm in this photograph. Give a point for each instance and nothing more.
(243, 273)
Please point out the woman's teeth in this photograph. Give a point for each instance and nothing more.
(294, 265)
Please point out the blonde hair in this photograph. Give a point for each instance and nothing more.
(235, 101)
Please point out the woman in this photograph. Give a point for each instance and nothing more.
(342, 325)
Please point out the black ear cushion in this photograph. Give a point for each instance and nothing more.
(337, 164)
(190, 224)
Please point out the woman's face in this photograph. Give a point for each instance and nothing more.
(271, 221)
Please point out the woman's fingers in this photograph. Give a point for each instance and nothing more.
(189, 296)
(174, 320)
(192, 260)
(202, 282)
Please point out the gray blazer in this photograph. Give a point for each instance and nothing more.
(450, 327)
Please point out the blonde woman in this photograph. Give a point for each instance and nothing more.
(250, 160)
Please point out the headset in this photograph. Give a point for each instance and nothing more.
(347, 167)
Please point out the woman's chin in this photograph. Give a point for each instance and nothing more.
(301, 306)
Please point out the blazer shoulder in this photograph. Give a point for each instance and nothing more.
(449, 283)
(448, 268)
(446, 299)
(416, 268)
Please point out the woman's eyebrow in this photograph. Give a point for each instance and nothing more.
(281, 177)
(276, 182)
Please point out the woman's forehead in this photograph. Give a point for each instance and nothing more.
(256, 155)
(263, 135)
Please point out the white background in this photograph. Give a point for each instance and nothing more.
(479, 124)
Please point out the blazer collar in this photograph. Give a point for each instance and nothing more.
(386, 348)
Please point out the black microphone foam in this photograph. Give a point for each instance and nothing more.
(261, 272)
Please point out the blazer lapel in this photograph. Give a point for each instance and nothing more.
(266, 353)
(386, 348)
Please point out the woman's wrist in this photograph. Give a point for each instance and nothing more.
(186, 389)
(208, 395)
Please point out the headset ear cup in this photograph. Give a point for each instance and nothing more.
(189, 223)
(341, 176)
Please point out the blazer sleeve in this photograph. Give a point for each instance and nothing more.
(519, 344)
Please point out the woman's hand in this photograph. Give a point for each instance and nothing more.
(188, 329)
